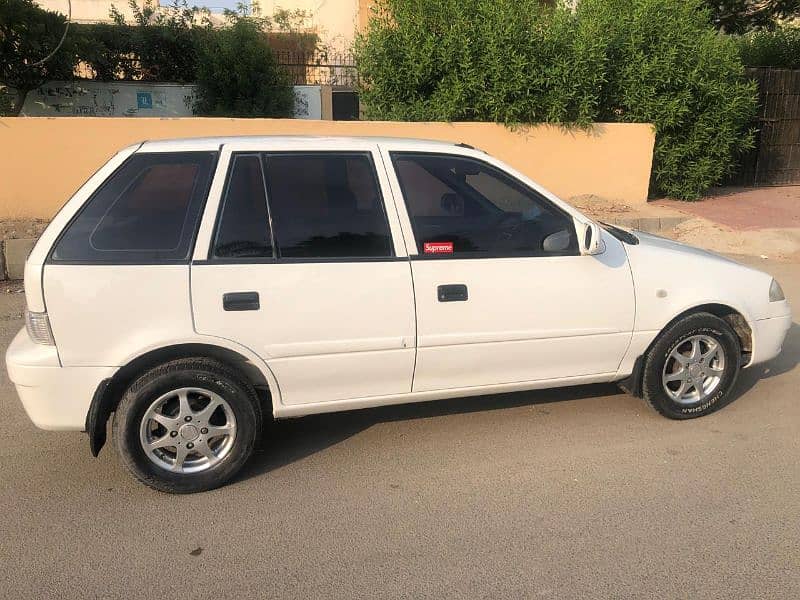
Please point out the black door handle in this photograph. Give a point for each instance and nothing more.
(454, 292)
(240, 301)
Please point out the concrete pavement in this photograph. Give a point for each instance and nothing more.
(575, 493)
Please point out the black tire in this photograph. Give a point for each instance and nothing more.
(704, 324)
(190, 372)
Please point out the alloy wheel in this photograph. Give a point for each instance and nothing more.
(188, 430)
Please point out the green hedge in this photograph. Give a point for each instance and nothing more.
(779, 48)
(238, 76)
(520, 61)
(234, 67)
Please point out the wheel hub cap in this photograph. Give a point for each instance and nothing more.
(693, 369)
(188, 430)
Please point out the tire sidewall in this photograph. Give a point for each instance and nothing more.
(707, 325)
(134, 405)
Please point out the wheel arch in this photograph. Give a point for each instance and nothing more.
(731, 315)
(109, 392)
(734, 317)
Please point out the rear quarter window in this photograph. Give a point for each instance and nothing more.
(146, 211)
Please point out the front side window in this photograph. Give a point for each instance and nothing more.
(460, 206)
(326, 205)
(146, 211)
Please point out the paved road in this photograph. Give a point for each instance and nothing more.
(581, 492)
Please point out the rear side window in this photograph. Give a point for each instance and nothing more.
(326, 205)
(147, 211)
(243, 229)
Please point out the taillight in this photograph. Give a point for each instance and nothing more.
(38, 326)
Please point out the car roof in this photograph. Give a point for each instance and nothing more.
(214, 142)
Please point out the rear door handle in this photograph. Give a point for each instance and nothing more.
(454, 292)
(240, 301)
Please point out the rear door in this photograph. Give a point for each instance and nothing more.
(502, 294)
(299, 260)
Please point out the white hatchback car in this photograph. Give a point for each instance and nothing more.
(195, 288)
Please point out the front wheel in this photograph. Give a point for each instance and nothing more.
(691, 369)
(187, 426)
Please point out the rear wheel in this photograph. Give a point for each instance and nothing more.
(187, 426)
(691, 369)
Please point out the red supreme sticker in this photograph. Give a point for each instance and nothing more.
(438, 247)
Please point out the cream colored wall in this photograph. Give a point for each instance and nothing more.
(46, 159)
(89, 11)
(335, 21)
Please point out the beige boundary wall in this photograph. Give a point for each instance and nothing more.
(44, 160)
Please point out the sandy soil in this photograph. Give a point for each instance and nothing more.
(13, 229)
(771, 242)
(774, 244)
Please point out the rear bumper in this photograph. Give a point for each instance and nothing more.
(54, 397)
(768, 337)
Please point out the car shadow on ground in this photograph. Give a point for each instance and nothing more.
(285, 442)
(290, 440)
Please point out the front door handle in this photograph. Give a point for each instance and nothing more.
(240, 301)
(454, 292)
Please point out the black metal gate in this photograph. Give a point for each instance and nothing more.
(776, 158)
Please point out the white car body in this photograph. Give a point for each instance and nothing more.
(346, 334)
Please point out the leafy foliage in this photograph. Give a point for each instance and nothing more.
(237, 74)
(668, 67)
(27, 35)
(163, 42)
(509, 61)
(234, 67)
(739, 16)
(484, 60)
(779, 48)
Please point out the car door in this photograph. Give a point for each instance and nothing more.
(299, 260)
(502, 293)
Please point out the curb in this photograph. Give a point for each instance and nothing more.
(13, 256)
(650, 224)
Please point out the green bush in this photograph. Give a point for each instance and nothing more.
(507, 61)
(667, 66)
(238, 76)
(29, 34)
(779, 48)
(479, 60)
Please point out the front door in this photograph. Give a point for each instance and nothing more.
(502, 294)
(302, 267)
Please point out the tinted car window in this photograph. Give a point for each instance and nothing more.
(243, 229)
(462, 206)
(326, 205)
(146, 211)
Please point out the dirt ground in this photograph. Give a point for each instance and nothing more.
(12, 229)
(781, 244)
(762, 222)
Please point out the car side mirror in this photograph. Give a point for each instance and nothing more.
(590, 241)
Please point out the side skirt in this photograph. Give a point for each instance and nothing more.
(299, 410)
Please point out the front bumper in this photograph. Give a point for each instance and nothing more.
(768, 337)
(54, 397)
